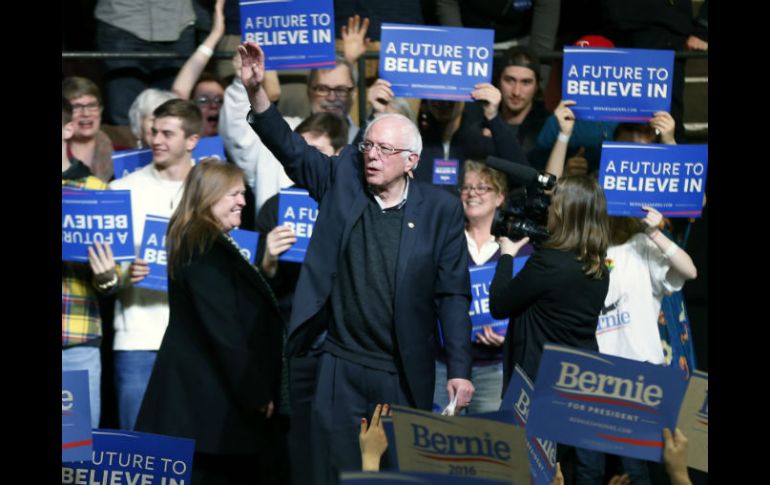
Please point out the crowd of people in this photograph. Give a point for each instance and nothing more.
(277, 366)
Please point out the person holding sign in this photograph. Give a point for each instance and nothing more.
(217, 377)
(386, 261)
(482, 192)
(81, 321)
(518, 79)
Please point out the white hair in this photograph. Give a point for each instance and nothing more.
(144, 105)
(414, 140)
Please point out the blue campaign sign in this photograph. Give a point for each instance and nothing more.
(445, 172)
(210, 146)
(294, 34)
(412, 478)
(298, 211)
(247, 242)
(542, 453)
(76, 440)
(481, 279)
(132, 457)
(670, 178)
(125, 162)
(617, 84)
(604, 403)
(89, 216)
(435, 62)
(153, 251)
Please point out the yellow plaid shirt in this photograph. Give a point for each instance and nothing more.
(80, 318)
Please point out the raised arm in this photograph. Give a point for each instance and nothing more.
(253, 75)
(354, 38)
(191, 70)
(566, 119)
(681, 265)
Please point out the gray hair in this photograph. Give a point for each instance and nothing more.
(144, 105)
(408, 128)
(341, 61)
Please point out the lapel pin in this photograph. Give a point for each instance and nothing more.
(411, 225)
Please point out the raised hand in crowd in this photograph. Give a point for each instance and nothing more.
(279, 240)
(675, 456)
(680, 262)
(253, 75)
(354, 38)
(566, 118)
(191, 70)
(372, 439)
(489, 97)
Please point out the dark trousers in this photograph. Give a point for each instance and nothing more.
(345, 393)
(302, 384)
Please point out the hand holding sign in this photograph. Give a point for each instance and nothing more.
(490, 338)
(138, 270)
(103, 265)
(664, 125)
(565, 116)
(489, 97)
(652, 219)
(279, 240)
(379, 95)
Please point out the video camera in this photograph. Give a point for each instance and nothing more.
(525, 212)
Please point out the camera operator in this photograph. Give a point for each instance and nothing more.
(559, 293)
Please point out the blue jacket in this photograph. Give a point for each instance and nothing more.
(432, 281)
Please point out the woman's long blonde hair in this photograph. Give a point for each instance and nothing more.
(193, 228)
(580, 222)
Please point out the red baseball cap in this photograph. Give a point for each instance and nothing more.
(594, 41)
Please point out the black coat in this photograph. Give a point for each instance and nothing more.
(220, 359)
(550, 300)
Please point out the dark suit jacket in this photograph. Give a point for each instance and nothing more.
(220, 359)
(432, 281)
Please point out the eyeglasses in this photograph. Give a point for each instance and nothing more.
(480, 189)
(384, 149)
(86, 108)
(339, 91)
(201, 100)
